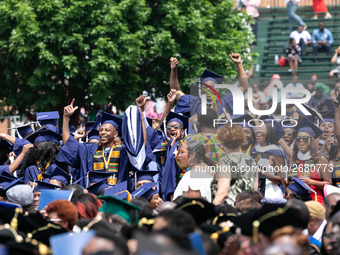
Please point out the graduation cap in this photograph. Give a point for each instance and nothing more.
(119, 207)
(181, 119)
(314, 113)
(328, 116)
(115, 121)
(96, 176)
(24, 130)
(98, 224)
(98, 186)
(5, 145)
(301, 188)
(11, 184)
(48, 118)
(48, 196)
(145, 191)
(200, 209)
(329, 103)
(211, 76)
(242, 120)
(120, 191)
(71, 244)
(44, 136)
(60, 175)
(307, 126)
(97, 122)
(217, 234)
(8, 175)
(277, 128)
(45, 186)
(276, 216)
(79, 180)
(145, 175)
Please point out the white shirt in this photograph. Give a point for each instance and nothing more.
(305, 35)
(295, 94)
(194, 183)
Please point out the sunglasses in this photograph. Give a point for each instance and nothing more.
(304, 138)
(173, 126)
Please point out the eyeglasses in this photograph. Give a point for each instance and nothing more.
(304, 138)
(173, 126)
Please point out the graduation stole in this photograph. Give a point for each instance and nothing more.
(337, 171)
(41, 171)
(111, 165)
(163, 150)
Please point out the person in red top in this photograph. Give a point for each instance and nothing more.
(307, 163)
(319, 6)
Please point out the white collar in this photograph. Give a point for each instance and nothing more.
(322, 141)
(305, 156)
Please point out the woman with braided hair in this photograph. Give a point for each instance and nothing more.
(195, 183)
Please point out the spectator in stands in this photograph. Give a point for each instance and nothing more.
(335, 60)
(251, 8)
(258, 96)
(318, 99)
(314, 81)
(295, 85)
(302, 38)
(292, 16)
(322, 38)
(310, 87)
(293, 52)
(318, 7)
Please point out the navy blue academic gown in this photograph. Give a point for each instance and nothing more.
(170, 172)
(189, 105)
(32, 172)
(80, 156)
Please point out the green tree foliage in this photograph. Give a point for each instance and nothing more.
(110, 50)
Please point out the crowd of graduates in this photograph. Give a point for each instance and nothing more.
(181, 184)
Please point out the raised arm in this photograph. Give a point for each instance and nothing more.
(68, 111)
(15, 165)
(236, 58)
(8, 138)
(337, 120)
(171, 100)
(174, 79)
(140, 101)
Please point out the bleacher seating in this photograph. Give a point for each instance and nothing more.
(273, 25)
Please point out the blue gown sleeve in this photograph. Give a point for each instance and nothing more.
(188, 105)
(31, 174)
(71, 152)
(154, 137)
(4, 168)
